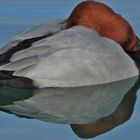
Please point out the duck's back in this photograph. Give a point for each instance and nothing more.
(73, 57)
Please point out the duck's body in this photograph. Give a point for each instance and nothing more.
(52, 55)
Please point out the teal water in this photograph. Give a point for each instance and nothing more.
(28, 114)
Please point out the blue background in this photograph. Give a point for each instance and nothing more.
(17, 15)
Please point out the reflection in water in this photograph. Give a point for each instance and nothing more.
(122, 113)
(90, 110)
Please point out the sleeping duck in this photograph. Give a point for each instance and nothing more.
(93, 46)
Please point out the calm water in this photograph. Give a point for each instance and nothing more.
(114, 105)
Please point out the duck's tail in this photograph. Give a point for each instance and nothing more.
(8, 80)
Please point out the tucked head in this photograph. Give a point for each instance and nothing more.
(105, 21)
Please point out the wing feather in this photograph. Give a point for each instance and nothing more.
(74, 57)
(78, 67)
(20, 64)
(51, 27)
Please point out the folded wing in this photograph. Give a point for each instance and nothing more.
(74, 57)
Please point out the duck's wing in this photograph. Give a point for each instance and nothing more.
(74, 57)
(23, 41)
(26, 38)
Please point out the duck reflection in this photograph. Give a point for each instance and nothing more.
(122, 114)
(90, 111)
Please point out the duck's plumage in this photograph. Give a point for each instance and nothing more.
(59, 57)
(26, 38)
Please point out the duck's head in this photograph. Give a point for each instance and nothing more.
(106, 22)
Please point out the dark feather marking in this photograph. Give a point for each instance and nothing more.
(6, 75)
(5, 58)
(135, 55)
(17, 82)
(8, 80)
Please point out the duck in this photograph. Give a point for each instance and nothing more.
(93, 46)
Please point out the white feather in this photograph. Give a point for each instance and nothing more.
(75, 57)
(20, 64)
(52, 27)
(42, 29)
